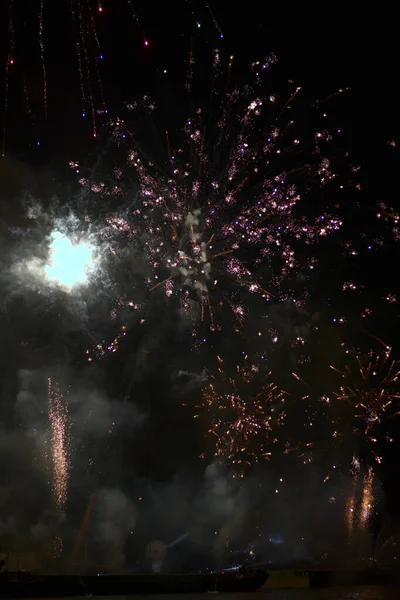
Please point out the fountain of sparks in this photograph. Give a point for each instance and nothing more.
(60, 451)
(244, 423)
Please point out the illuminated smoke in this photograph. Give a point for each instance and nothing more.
(69, 263)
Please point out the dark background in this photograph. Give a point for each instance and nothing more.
(326, 48)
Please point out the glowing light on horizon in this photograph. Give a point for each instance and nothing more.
(69, 263)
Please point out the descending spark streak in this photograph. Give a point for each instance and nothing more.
(79, 56)
(96, 37)
(350, 508)
(221, 35)
(58, 416)
(135, 16)
(245, 417)
(9, 63)
(41, 44)
(83, 33)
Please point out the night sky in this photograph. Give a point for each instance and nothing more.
(145, 430)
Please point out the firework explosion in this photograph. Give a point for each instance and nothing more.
(371, 393)
(60, 451)
(224, 219)
(367, 503)
(244, 416)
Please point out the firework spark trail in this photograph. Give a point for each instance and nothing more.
(87, 48)
(9, 63)
(226, 204)
(42, 58)
(350, 509)
(60, 450)
(245, 416)
(367, 502)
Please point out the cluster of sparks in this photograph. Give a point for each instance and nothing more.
(244, 417)
(59, 443)
(370, 389)
(224, 219)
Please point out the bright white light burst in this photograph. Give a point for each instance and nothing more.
(69, 263)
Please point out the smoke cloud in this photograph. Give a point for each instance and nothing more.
(116, 517)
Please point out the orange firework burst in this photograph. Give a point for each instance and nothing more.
(372, 391)
(244, 414)
(344, 419)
